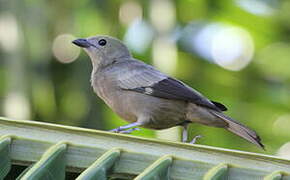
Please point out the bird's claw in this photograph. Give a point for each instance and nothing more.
(193, 141)
(116, 130)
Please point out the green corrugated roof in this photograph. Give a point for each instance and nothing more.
(50, 151)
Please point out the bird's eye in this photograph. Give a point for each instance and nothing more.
(102, 42)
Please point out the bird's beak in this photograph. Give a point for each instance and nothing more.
(82, 43)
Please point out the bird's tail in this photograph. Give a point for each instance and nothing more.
(239, 129)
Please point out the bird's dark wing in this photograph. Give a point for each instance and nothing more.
(147, 80)
(220, 106)
(170, 88)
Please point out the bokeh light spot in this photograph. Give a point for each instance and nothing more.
(63, 49)
(162, 14)
(228, 46)
(282, 126)
(16, 105)
(9, 32)
(165, 55)
(232, 48)
(274, 60)
(139, 36)
(203, 39)
(129, 11)
(257, 7)
(284, 151)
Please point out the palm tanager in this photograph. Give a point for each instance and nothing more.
(148, 98)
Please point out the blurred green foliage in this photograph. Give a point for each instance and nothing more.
(46, 89)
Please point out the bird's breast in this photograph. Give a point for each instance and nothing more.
(106, 88)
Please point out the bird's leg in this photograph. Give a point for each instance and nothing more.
(128, 126)
(129, 131)
(184, 132)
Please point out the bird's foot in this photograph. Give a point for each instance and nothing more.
(126, 128)
(193, 141)
(116, 130)
(128, 131)
(120, 130)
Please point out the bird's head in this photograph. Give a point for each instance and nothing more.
(103, 50)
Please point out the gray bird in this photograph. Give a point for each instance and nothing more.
(148, 98)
